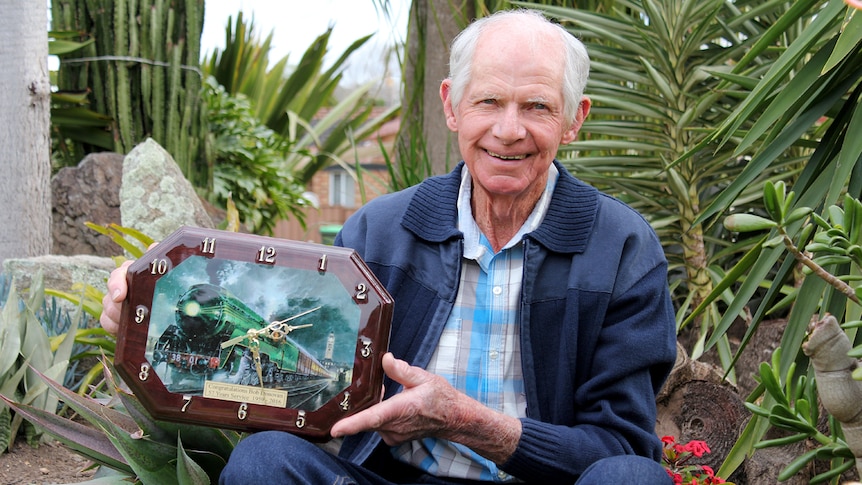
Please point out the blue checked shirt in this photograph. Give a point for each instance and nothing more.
(479, 351)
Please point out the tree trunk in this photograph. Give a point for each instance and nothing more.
(25, 150)
(433, 25)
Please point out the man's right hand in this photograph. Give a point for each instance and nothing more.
(112, 303)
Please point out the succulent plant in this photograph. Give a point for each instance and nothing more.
(119, 434)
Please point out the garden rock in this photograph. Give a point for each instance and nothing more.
(155, 197)
(86, 193)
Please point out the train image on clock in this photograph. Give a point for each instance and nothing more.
(193, 347)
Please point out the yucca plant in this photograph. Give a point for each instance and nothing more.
(657, 95)
(818, 105)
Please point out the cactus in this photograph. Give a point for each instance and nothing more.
(142, 71)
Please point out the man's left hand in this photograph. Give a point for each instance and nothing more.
(428, 406)
(424, 408)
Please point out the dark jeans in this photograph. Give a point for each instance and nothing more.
(276, 458)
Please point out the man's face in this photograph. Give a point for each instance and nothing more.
(510, 119)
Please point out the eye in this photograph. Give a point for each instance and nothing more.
(540, 106)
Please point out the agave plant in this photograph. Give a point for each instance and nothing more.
(27, 354)
(121, 436)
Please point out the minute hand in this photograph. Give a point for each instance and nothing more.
(294, 317)
(278, 329)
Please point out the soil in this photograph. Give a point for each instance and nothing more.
(50, 463)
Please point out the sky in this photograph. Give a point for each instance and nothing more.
(296, 23)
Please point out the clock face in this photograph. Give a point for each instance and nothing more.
(248, 332)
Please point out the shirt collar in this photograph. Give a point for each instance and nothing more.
(475, 243)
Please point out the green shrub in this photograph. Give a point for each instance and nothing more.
(249, 163)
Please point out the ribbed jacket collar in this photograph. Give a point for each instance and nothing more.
(433, 213)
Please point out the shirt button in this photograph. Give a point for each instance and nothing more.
(498, 290)
(493, 354)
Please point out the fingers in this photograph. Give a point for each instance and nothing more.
(400, 416)
(367, 420)
(113, 299)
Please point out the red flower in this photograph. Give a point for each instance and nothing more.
(676, 458)
(697, 448)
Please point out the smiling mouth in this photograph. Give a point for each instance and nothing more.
(506, 157)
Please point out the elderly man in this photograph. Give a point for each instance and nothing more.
(533, 325)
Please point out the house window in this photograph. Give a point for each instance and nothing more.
(341, 189)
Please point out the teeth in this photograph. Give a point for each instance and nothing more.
(504, 157)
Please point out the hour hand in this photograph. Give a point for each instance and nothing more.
(251, 334)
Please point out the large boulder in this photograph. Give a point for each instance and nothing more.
(155, 197)
(86, 193)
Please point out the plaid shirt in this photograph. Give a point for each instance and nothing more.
(479, 351)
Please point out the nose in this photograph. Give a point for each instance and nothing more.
(509, 126)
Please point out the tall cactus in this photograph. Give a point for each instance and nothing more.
(142, 71)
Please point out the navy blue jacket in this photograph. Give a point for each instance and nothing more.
(598, 336)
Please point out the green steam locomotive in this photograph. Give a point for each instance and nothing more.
(208, 315)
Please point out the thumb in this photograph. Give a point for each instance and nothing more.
(403, 373)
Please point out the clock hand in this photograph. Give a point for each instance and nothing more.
(278, 330)
(274, 327)
(278, 322)
(254, 345)
(250, 335)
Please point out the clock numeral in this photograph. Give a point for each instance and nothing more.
(208, 245)
(159, 266)
(242, 412)
(361, 292)
(300, 419)
(366, 350)
(144, 374)
(186, 401)
(321, 264)
(266, 254)
(345, 403)
(141, 313)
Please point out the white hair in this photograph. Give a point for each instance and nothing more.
(576, 69)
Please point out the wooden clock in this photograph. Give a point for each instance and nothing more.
(251, 333)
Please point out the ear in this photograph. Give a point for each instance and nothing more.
(572, 132)
(445, 96)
